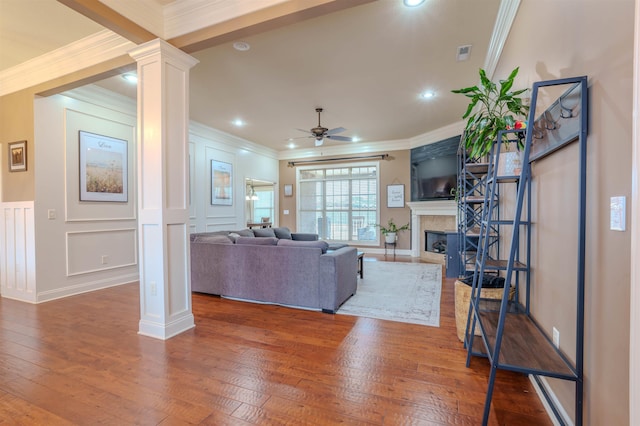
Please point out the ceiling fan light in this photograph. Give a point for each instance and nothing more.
(319, 142)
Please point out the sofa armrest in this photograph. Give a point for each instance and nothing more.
(302, 236)
(338, 277)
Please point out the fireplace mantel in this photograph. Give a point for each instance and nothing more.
(427, 208)
(434, 208)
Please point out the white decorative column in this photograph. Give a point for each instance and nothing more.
(163, 208)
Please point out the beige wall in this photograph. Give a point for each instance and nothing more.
(394, 170)
(16, 124)
(554, 39)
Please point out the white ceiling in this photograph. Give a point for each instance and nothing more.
(366, 66)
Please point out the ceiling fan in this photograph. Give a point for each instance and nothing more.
(319, 133)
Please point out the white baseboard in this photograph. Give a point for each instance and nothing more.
(558, 406)
(73, 290)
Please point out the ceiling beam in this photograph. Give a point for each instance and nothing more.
(109, 18)
(276, 16)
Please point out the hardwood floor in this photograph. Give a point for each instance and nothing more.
(80, 360)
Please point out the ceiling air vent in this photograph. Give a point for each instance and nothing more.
(463, 52)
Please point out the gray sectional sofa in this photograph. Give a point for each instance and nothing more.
(255, 265)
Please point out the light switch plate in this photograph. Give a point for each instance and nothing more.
(618, 213)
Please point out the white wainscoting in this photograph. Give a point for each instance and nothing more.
(100, 249)
(18, 251)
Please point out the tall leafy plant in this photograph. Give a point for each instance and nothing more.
(493, 107)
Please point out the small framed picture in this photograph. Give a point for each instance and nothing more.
(18, 156)
(395, 195)
(288, 190)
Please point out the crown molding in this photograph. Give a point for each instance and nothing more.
(506, 15)
(150, 49)
(344, 149)
(234, 143)
(96, 95)
(99, 47)
(437, 135)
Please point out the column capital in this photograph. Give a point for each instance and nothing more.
(153, 48)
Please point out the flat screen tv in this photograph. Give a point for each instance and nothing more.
(434, 169)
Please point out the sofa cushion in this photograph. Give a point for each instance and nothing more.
(337, 246)
(194, 236)
(245, 233)
(212, 239)
(266, 241)
(304, 236)
(264, 232)
(322, 245)
(282, 233)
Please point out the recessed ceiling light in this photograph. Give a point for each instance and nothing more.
(291, 145)
(355, 139)
(131, 78)
(238, 122)
(412, 3)
(242, 46)
(427, 95)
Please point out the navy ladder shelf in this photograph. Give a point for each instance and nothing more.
(472, 187)
(510, 337)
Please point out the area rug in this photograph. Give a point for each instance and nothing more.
(404, 292)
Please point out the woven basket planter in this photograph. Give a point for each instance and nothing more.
(462, 299)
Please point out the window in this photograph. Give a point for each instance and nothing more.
(260, 201)
(263, 206)
(339, 203)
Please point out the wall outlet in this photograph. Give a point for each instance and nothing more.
(104, 259)
(153, 288)
(556, 338)
(51, 214)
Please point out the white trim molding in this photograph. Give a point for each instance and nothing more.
(506, 15)
(97, 48)
(634, 313)
(428, 208)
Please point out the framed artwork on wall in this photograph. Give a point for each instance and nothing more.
(288, 190)
(221, 183)
(18, 156)
(103, 168)
(395, 195)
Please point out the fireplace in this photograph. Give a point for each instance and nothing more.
(431, 216)
(435, 241)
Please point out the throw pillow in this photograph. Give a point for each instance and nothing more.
(212, 239)
(282, 232)
(264, 232)
(233, 236)
(322, 245)
(267, 241)
(245, 233)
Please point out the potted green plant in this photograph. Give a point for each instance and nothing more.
(493, 107)
(390, 230)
